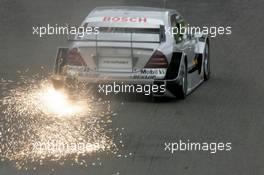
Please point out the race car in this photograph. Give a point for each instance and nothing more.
(135, 45)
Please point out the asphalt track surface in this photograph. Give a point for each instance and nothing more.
(228, 108)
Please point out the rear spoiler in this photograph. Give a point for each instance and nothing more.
(162, 37)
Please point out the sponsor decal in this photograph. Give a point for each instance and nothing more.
(150, 74)
(125, 19)
(153, 71)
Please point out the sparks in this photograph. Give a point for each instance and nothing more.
(41, 124)
(58, 103)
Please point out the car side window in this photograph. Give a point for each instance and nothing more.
(177, 23)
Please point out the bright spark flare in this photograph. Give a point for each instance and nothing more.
(40, 124)
(58, 103)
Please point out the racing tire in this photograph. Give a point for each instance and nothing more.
(206, 63)
(182, 86)
(68, 86)
(57, 84)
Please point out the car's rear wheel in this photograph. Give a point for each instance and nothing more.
(182, 86)
(68, 86)
(57, 83)
(206, 64)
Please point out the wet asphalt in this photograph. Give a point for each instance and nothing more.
(227, 108)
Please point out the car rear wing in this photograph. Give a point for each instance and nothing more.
(133, 35)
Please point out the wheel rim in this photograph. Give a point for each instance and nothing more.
(184, 81)
(206, 61)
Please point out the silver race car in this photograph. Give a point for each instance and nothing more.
(135, 45)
